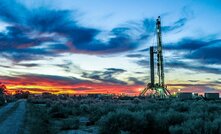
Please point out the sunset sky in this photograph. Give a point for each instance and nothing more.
(101, 46)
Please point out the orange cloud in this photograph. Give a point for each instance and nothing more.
(38, 84)
(63, 85)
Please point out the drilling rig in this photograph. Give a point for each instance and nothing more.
(160, 89)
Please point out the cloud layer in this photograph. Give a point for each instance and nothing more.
(58, 31)
(58, 84)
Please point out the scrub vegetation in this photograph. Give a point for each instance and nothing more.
(128, 115)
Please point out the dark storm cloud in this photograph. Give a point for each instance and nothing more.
(143, 63)
(105, 76)
(188, 66)
(218, 82)
(135, 55)
(28, 64)
(136, 81)
(175, 26)
(193, 80)
(144, 50)
(17, 45)
(28, 25)
(65, 80)
(122, 38)
(35, 79)
(5, 66)
(17, 38)
(191, 44)
(12, 11)
(203, 51)
(186, 44)
(208, 55)
(63, 23)
(115, 70)
(69, 67)
(27, 54)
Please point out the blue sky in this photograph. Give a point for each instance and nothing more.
(86, 45)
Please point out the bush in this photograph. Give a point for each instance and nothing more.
(2, 100)
(177, 130)
(84, 109)
(181, 106)
(99, 110)
(215, 126)
(37, 120)
(135, 115)
(189, 127)
(70, 123)
(136, 100)
(59, 111)
(149, 122)
(163, 121)
(121, 120)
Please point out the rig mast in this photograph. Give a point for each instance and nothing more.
(159, 54)
(159, 88)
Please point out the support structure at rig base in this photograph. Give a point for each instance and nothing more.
(156, 90)
(160, 87)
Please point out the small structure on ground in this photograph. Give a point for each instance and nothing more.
(212, 96)
(185, 95)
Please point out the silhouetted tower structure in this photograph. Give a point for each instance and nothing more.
(152, 80)
(159, 54)
(159, 88)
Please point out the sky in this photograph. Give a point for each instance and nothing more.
(102, 46)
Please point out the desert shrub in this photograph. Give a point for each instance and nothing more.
(10, 98)
(20, 94)
(59, 111)
(2, 100)
(112, 123)
(198, 106)
(178, 130)
(96, 113)
(36, 100)
(149, 122)
(70, 123)
(134, 108)
(214, 108)
(136, 100)
(2, 94)
(121, 120)
(133, 115)
(203, 115)
(37, 120)
(76, 111)
(48, 103)
(199, 122)
(149, 106)
(84, 109)
(196, 126)
(180, 106)
(165, 120)
(215, 126)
